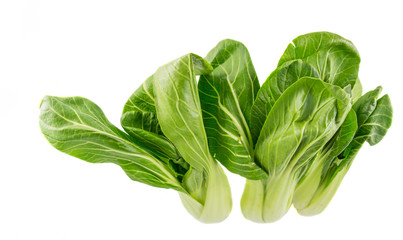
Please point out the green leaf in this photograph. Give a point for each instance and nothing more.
(374, 118)
(139, 110)
(302, 120)
(343, 137)
(161, 148)
(78, 127)
(372, 130)
(313, 176)
(366, 104)
(139, 120)
(377, 124)
(356, 92)
(311, 111)
(226, 96)
(278, 81)
(335, 58)
(321, 55)
(157, 144)
(178, 107)
(180, 116)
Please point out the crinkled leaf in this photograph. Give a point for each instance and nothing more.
(335, 58)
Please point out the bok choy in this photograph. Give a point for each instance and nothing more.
(304, 169)
(165, 145)
(294, 138)
(373, 118)
(304, 118)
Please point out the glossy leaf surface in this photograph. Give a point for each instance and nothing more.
(226, 96)
(312, 178)
(372, 129)
(301, 121)
(178, 107)
(139, 110)
(308, 115)
(78, 127)
(334, 57)
(180, 116)
(278, 81)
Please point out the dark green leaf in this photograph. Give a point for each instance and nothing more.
(372, 130)
(278, 81)
(226, 96)
(78, 127)
(139, 110)
(139, 120)
(303, 119)
(335, 58)
(366, 104)
(161, 148)
(378, 123)
(342, 138)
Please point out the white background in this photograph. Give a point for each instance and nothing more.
(103, 50)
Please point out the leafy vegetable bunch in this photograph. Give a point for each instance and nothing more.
(293, 139)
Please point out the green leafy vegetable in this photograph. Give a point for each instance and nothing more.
(166, 145)
(322, 55)
(374, 118)
(304, 118)
(312, 178)
(294, 138)
(180, 117)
